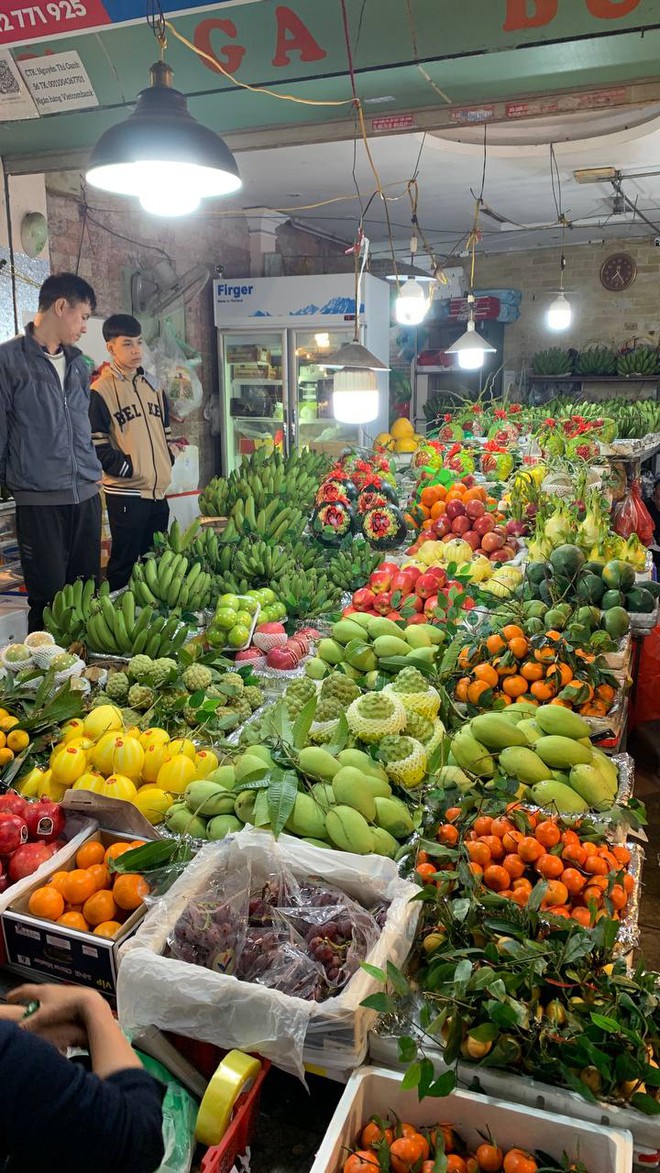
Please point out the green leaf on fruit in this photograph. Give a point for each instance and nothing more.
(303, 723)
(281, 798)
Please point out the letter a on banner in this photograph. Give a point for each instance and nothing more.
(294, 37)
(529, 14)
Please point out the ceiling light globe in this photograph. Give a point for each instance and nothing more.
(471, 360)
(560, 314)
(411, 305)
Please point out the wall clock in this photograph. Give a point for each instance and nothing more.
(618, 272)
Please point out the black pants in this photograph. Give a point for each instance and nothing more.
(133, 523)
(57, 544)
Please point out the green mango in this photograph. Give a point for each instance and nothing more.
(222, 826)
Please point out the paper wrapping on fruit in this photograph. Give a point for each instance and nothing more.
(179, 996)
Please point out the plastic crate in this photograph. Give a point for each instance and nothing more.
(374, 1091)
(221, 1157)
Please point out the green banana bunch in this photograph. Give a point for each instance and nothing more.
(307, 594)
(596, 360)
(263, 476)
(69, 611)
(117, 629)
(260, 563)
(553, 361)
(643, 360)
(171, 581)
(350, 569)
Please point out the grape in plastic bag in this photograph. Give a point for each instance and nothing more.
(273, 959)
(211, 929)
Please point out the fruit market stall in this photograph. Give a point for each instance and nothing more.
(370, 734)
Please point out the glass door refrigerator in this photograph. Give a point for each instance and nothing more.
(273, 333)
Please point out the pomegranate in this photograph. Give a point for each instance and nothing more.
(27, 858)
(45, 820)
(13, 804)
(13, 832)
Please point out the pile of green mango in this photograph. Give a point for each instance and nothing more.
(344, 802)
(361, 645)
(546, 750)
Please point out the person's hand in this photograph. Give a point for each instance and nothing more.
(11, 1013)
(63, 1012)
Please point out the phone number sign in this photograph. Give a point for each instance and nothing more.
(22, 22)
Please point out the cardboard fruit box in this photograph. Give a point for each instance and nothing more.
(42, 949)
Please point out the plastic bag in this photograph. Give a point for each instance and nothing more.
(179, 1119)
(632, 517)
(211, 930)
(175, 366)
(154, 989)
(305, 939)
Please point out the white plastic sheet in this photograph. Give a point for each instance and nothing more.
(173, 995)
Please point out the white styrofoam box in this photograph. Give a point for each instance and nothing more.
(156, 989)
(376, 1091)
(509, 1085)
(13, 626)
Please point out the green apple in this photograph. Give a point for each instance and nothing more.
(225, 618)
(238, 636)
(232, 601)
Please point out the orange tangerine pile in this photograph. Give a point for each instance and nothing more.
(433, 500)
(585, 880)
(416, 1150)
(91, 898)
(508, 666)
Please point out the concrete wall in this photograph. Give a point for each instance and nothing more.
(599, 316)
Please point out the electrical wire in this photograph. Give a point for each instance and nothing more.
(244, 85)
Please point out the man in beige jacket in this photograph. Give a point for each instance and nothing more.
(131, 433)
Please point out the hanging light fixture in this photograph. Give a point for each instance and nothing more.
(355, 396)
(471, 349)
(160, 153)
(412, 304)
(560, 314)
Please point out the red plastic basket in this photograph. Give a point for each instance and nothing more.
(239, 1135)
(205, 1057)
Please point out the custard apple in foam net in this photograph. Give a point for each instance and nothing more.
(376, 715)
(404, 759)
(339, 687)
(118, 686)
(415, 693)
(430, 733)
(196, 677)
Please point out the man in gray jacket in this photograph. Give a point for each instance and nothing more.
(47, 458)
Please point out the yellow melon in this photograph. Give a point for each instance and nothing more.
(405, 444)
(402, 428)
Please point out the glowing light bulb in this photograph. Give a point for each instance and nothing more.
(412, 304)
(560, 314)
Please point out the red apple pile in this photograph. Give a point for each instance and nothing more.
(287, 656)
(404, 593)
(29, 835)
(475, 525)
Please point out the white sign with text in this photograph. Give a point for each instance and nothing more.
(58, 81)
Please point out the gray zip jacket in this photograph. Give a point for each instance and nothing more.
(46, 451)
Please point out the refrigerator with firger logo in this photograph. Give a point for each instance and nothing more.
(273, 335)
